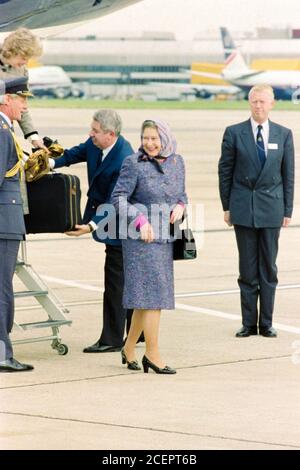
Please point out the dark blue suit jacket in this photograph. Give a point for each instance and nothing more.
(102, 177)
(257, 197)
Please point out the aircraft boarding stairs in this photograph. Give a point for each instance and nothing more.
(46, 298)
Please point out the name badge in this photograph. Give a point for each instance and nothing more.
(272, 146)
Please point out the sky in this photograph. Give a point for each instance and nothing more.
(186, 18)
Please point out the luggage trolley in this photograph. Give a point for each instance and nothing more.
(47, 299)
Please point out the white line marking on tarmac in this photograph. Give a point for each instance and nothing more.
(229, 291)
(72, 284)
(230, 316)
(208, 293)
(288, 286)
(207, 311)
(177, 296)
(189, 308)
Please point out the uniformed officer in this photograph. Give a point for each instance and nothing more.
(12, 228)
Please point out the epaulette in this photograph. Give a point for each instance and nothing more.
(3, 124)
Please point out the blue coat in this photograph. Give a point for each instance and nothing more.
(102, 177)
(11, 210)
(257, 197)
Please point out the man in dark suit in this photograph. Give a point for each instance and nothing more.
(104, 153)
(13, 95)
(256, 182)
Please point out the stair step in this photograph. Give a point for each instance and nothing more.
(31, 293)
(44, 324)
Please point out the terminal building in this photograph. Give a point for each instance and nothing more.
(136, 65)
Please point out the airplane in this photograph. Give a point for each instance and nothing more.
(285, 83)
(203, 90)
(34, 14)
(53, 82)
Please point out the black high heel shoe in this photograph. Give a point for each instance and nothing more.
(146, 364)
(133, 365)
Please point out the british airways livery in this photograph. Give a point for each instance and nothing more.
(285, 83)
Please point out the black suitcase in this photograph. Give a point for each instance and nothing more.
(54, 204)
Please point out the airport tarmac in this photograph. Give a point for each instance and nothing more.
(228, 393)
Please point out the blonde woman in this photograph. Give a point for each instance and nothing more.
(17, 49)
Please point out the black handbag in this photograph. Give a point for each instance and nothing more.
(184, 246)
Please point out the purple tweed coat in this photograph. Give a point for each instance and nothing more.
(151, 189)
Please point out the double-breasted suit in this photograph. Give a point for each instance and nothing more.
(102, 177)
(258, 198)
(12, 230)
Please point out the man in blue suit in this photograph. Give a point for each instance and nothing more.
(256, 181)
(13, 95)
(104, 153)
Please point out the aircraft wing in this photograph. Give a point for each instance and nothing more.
(227, 76)
(205, 74)
(254, 73)
(34, 14)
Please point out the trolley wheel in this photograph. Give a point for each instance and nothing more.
(62, 349)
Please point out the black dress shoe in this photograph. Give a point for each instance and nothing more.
(246, 331)
(12, 365)
(268, 332)
(148, 364)
(101, 348)
(133, 365)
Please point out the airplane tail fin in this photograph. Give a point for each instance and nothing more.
(228, 43)
(234, 61)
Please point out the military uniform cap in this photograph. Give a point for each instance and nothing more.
(17, 86)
